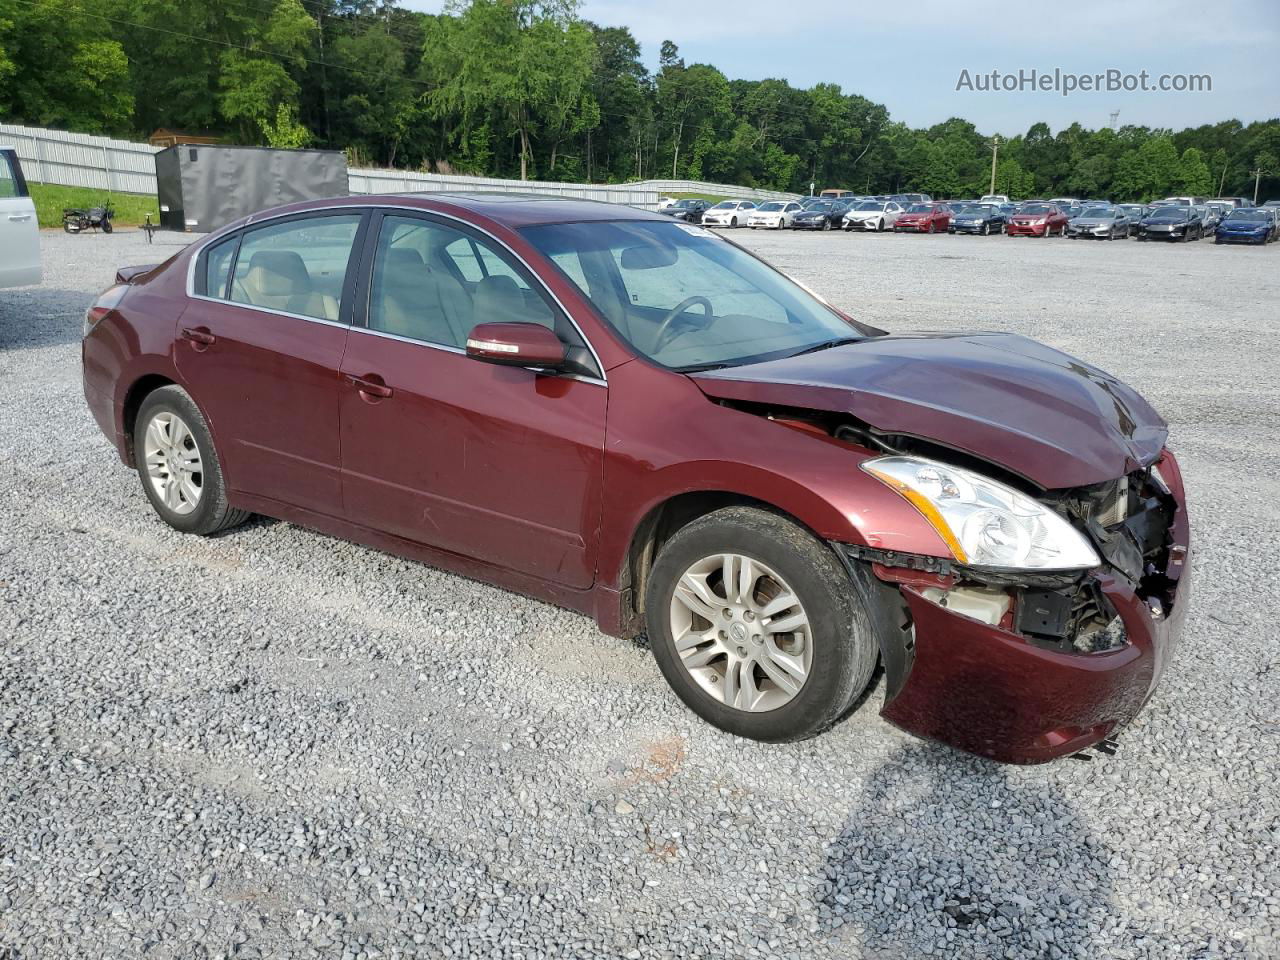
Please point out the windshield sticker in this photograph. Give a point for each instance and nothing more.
(693, 231)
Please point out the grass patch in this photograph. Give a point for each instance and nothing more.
(51, 199)
(709, 197)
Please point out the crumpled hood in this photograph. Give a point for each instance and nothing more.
(1001, 397)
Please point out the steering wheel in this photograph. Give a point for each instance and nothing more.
(660, 338)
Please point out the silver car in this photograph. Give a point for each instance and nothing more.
(1101, 222)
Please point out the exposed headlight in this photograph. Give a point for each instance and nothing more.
(982, 521)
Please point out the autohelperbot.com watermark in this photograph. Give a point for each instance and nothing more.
(1065, 82)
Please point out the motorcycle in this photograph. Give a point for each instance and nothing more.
(99, 218)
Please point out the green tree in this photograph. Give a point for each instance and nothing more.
(1194, 178)
(509, 62)
(60, 67)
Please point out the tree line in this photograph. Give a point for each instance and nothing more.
(527, 88)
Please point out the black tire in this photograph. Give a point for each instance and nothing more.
(212, 513)
(106, 226)
(826, 224)
(67, 227)
(844, 646)
(733, 222)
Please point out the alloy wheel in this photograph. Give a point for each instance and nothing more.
(173, 462)
(741, 632)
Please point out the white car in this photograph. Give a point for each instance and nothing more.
(994, 198)
(776, 214)
(19, 231)
(873, 215)
(664, 202)
(728, 213)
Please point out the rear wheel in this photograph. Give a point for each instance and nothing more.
(178, 464)
(756, 625)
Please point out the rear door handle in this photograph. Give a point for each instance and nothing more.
(371, 387)
(19, 217)
(198, 335)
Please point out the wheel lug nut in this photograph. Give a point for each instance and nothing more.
(748, 615)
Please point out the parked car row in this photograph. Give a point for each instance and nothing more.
(1228, 219)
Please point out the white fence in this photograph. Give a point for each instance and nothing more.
(82, 160)
(405, 181)
(107, 164)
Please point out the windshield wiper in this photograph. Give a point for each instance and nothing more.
(825, 345)
(701, 367)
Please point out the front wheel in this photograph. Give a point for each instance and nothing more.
(178, 465)
(756, 625)
(733, 222)
(106, 226)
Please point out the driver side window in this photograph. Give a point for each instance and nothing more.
(432, 283)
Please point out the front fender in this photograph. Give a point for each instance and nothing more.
(721, 449)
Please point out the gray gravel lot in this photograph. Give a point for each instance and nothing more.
(275, 744)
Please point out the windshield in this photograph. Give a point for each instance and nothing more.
(685, 298)
(1102, 212)
(870, 205)
(726, 205)
(821, 207)
(772, 205)
(1253, 216)
(1035, 208)
(975, 210)
(1170, 213)
(919, 208)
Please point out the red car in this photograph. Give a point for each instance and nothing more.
(1037, 220)
(639, 420)
(924, 218)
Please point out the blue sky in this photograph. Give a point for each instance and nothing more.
(909, 55)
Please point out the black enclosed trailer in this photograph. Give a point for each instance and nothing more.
(202, 187)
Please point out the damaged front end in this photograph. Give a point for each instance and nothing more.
(1025, 666)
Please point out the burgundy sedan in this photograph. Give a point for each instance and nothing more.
(1037, 220)
(637, 419)
(924, 218)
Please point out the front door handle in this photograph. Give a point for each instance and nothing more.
(374, 388)
(199, 336)
(19, 217)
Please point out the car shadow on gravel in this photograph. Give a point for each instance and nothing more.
(948, 855)
(38, 317)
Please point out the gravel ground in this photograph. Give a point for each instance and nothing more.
(275, 744)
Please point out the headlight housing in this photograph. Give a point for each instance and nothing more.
(983, 522)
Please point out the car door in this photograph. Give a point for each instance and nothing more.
(259, 348)
(502, 464)
(19, 232)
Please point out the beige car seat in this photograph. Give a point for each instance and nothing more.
(412, 300)
(278, 280)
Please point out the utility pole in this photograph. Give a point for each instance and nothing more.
(995, 150)
(1257, 177)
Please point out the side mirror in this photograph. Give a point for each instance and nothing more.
(515, 345)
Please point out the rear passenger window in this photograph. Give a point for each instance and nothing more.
(296, 267)
(217, 268)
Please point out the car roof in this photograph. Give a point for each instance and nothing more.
(512, 210)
